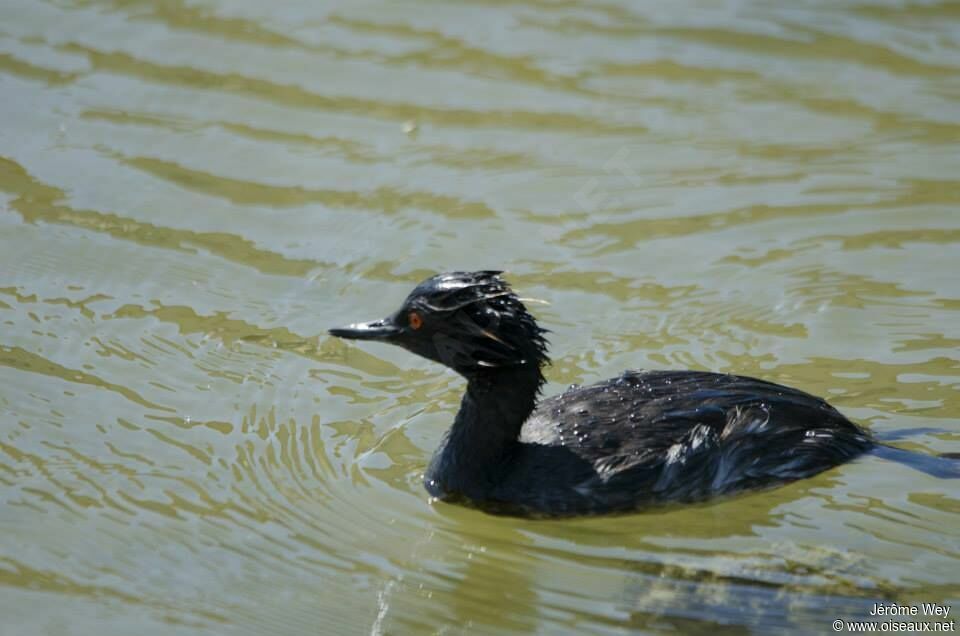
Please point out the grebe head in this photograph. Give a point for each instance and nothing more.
(471, 322)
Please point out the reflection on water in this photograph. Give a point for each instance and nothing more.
(191, 193)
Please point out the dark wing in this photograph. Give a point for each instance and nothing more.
(712, 432)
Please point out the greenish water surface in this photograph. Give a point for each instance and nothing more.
(191, 192)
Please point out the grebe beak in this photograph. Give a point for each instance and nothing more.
(384, 329)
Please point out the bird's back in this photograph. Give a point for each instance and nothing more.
(650, 437)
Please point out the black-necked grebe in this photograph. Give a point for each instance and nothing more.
(644, 438)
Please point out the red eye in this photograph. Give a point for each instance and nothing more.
(415, 320)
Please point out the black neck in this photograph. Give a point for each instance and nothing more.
(485, 434)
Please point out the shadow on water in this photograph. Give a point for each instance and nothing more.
(946, 466)
(644, 568)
